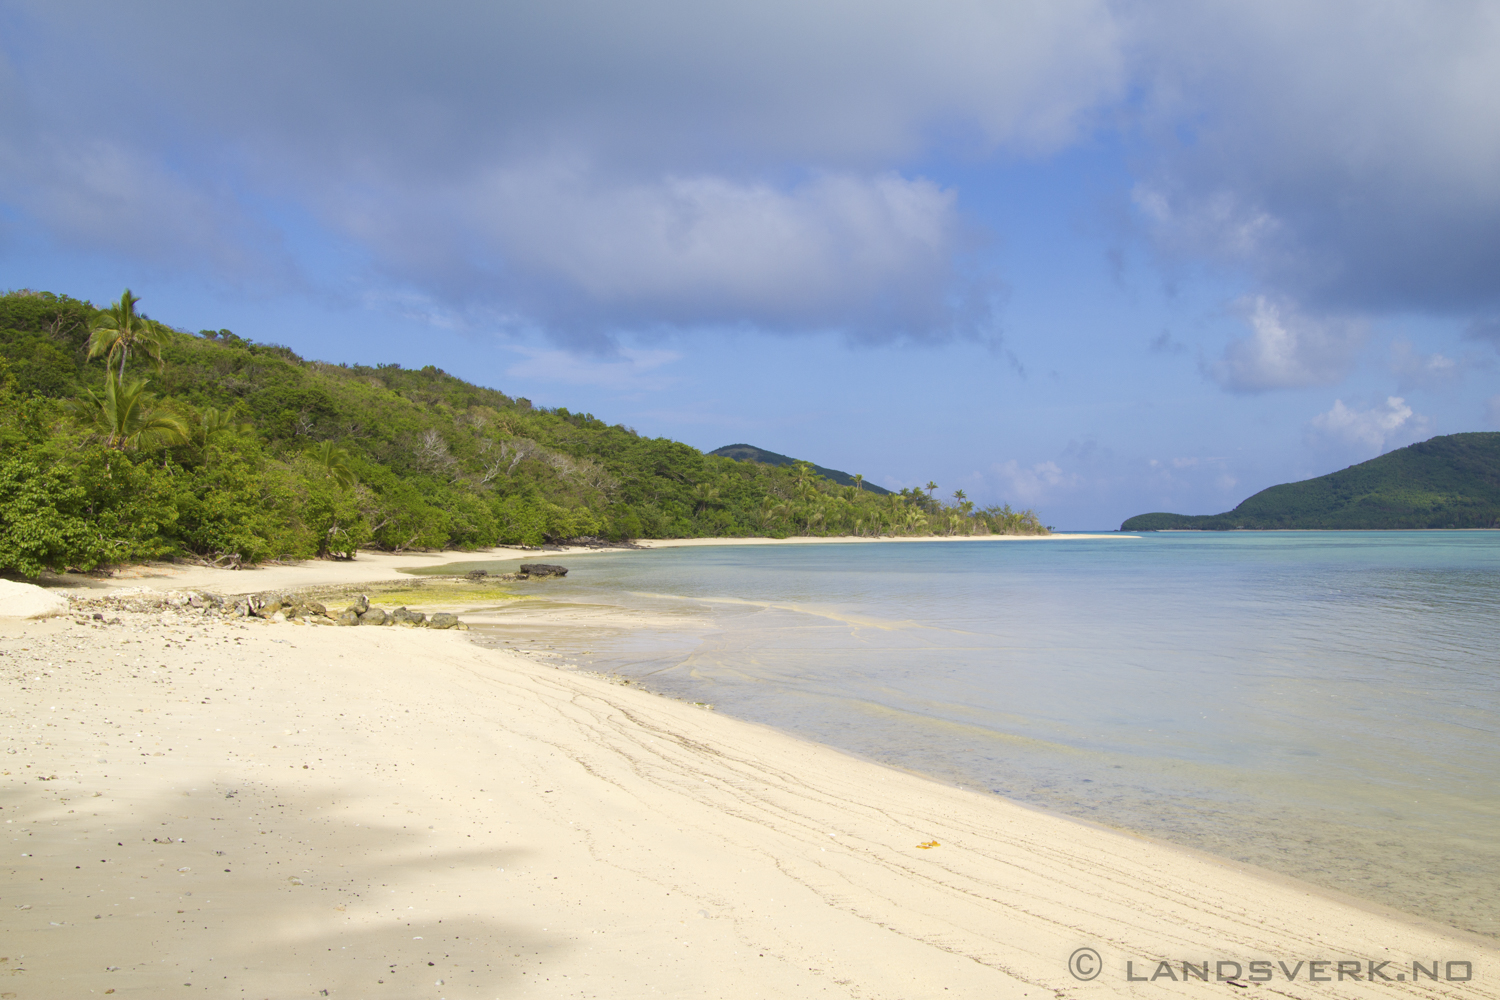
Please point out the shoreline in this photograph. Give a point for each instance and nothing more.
(370, 567)
(536, 811)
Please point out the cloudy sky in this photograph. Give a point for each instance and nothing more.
(1096, 258)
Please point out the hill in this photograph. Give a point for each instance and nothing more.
(216, 448)
(1452, 481)
(750, 453)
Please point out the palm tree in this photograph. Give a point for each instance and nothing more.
(124, 417)
(930, 487)
(334, 461)
(859, 481)
(213, 424)
(121, 328)
(705, 494)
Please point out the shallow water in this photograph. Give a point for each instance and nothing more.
(1323, 704)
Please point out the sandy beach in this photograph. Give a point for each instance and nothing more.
(197, 806)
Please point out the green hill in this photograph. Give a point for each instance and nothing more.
(750, 453)
(238, 452)
(1452, 481)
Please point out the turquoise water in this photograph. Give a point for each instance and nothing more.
(1323, 704)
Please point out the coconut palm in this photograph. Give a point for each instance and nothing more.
(122, 329)
(124, 417)
(213, 424)
(334, 461)
(705, 495)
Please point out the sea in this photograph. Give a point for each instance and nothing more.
(1325, 705)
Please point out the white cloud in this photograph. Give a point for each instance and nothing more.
(629, 369)
(1287, 349)
(1369, 431)
(874, 256)
(1345, 155)
(1414, 370)
(589, 168)
(1036, 483)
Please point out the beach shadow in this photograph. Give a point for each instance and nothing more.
(270, 891)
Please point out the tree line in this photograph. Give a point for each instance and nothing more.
(123, 439)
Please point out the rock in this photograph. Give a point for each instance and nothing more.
(374, 616)
(347, 617)
(304, 608)
(443, 620)
(361, 604)
(476, 574)
(277, 616)
(401, 616)
(27, 600)
(543, 569)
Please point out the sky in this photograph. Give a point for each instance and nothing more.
(1094, 258)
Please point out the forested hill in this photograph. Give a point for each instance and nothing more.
(215, 448)
(1451, 481)
(750, 453)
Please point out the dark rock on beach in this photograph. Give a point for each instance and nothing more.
(374, 616)
(401, 616)
(543, 569)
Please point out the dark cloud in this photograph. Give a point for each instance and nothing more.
(1486, 329)
(578, 165)
(1345, 154)
(587, 166)
(1164, 343)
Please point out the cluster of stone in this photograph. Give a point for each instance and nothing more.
(276, 606)
(542, 569)
(361, 612)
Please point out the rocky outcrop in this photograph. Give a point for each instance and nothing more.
(274, 606)
(374, 616)
(401, 616)
(543, 569)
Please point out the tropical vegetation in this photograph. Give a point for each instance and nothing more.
(234, 452)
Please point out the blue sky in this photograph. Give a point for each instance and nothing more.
(1094, 258)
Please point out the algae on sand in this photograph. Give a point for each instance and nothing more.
(448, 593)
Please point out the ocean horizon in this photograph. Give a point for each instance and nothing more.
(1319, 704)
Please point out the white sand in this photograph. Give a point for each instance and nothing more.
(276, 810)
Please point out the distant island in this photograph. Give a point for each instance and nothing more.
(750, 453)
(1452, 481)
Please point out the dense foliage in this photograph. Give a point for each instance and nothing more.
(214, 447)
(1451, 481)
(750, 453)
